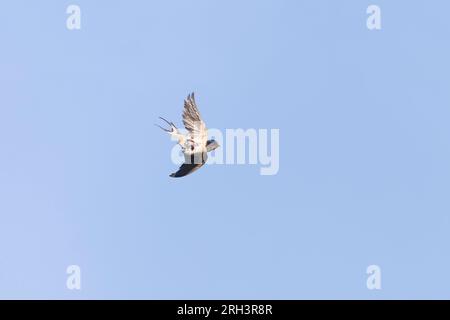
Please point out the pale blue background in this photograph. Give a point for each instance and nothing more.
(364, 164)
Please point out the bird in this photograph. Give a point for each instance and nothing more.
(194, 144)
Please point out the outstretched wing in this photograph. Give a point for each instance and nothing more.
(194, 124)
(192, 162)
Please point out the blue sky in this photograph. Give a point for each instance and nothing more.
(364, 150)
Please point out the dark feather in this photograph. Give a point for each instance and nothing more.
(191, 164)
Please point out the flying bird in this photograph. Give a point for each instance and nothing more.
(194, 144)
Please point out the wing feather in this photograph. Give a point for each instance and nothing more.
(194, 124)
(192, 163)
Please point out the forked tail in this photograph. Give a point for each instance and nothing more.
(172, 126)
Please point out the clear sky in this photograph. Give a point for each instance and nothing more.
(364, 149)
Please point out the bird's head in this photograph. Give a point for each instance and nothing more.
(211, 145)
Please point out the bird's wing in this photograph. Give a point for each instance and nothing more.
(192, 162)
(194, 124)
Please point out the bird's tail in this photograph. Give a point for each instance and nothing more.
(173, 128)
